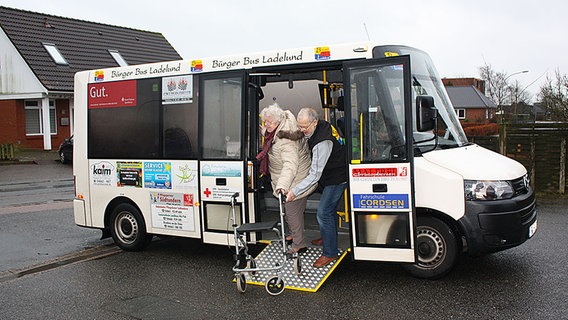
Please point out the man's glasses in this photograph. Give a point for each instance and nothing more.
(306, 127)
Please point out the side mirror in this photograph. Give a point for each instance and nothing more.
(425, 113)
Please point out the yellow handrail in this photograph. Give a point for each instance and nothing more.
(343, 215)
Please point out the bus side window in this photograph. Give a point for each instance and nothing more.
(222, 117)
(180, 125)
(131, 131)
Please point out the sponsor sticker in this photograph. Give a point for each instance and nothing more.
(380, 201)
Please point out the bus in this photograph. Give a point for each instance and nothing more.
(160, 149)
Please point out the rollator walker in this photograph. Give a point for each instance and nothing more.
(245, 263)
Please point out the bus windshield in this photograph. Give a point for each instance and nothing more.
(426, 81)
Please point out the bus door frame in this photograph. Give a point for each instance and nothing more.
(381, 192)
(223, 177)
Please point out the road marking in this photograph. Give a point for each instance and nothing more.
(56, 205)
(84, 255)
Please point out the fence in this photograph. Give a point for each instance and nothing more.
(540, 147)
(6, 152)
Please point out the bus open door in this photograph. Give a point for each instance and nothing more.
(379, 119)
(228, 131)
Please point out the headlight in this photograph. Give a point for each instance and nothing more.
(488, 190)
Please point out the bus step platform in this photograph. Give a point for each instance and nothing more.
(258, 226)
(310, 279)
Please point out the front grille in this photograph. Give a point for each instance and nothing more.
(520, 186)
(528, 214)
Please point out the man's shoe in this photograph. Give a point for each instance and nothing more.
(323, 261)
(317, 242)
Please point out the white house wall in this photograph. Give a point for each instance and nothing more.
(17, 81)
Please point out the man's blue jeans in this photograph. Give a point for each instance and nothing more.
(327, 217)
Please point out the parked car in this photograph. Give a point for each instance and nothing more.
(66, 151)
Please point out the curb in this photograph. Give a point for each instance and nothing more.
(14, 162)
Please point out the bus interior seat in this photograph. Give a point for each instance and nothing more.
(177, 143)
(340, 104)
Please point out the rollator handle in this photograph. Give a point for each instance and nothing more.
(234, 198)
(281, 196)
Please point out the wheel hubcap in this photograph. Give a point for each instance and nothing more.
(431, 247)
(126, 227)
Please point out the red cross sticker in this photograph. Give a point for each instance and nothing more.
(207, 192)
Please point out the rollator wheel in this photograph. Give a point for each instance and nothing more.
(241, 283)
(298, 265)
(274, 286)
(251, 264)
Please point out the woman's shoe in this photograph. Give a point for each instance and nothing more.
(302, 250)
(289, 240)
(299, 251)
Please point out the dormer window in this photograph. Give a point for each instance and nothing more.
(55, 54)
(118, 58)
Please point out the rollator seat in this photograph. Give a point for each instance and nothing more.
(257, 226)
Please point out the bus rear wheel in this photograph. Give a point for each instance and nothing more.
(128, 229)
(437, 249)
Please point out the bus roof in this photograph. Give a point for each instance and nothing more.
(234, 62)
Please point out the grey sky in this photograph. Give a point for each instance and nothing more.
(460, 36)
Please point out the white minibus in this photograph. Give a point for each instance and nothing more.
(160, 148)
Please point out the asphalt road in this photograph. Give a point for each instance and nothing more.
(183, 279)
(36, 216)
(86, 278)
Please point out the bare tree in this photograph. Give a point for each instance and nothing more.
(553, 95)
(495, 84)
(517, 94)
(500, 91)
(519, 99)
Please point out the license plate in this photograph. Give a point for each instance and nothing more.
(532, 228)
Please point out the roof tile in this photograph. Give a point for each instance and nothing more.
(84, 45)
(468, 97)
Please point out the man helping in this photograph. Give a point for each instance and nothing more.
(329, 170)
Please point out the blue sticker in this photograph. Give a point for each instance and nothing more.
(158, 175)
(380, 201)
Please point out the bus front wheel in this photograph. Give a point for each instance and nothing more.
(437, 249)
(128, 229)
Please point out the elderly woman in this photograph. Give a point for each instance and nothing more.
(286, 157)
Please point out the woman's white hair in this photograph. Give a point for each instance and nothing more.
(273, 111)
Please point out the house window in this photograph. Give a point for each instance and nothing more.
(460, 113)
(34, 125)
(118, 58)
(55, 54)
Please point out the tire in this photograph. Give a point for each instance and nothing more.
(251, 264)
(241, 283)
(274, 285)
(437, 249)
(128, 229)
(62, 157)
(298, 265)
